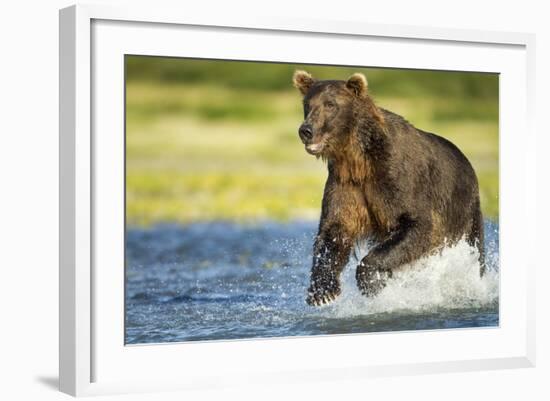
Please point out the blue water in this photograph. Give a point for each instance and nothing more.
(213, 281)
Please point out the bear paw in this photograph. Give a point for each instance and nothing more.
(371, 280)
(323, 291)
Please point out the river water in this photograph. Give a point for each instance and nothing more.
(219, 280)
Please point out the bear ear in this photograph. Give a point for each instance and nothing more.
(302, 80)
(357, 83)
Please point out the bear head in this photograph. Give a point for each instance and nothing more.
(332, 110)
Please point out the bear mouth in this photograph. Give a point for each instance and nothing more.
(315, 148)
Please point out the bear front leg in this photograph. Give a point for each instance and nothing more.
(409, 241)
(330, 255)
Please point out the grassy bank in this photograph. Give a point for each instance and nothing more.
(199, 150)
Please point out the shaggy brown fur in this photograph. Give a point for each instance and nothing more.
(409, 190)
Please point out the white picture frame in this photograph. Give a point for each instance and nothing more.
(93, 358)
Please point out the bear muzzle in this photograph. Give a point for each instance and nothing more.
(306, 132)
(306, 135)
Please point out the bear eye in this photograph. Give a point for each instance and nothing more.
(329, 104)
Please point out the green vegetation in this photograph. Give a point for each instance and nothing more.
(218, 140)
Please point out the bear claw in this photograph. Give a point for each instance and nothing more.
(371, 282)
(319, 298)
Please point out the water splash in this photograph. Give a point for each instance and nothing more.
(447, 280)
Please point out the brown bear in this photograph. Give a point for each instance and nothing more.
(410, 191)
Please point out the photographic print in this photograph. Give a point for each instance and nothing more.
(277, 200)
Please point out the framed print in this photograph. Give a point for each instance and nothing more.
(271, 199)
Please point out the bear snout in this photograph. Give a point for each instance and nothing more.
(306, 132)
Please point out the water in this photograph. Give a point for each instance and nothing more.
(213, 281)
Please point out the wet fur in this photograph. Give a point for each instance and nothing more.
(409, 190)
